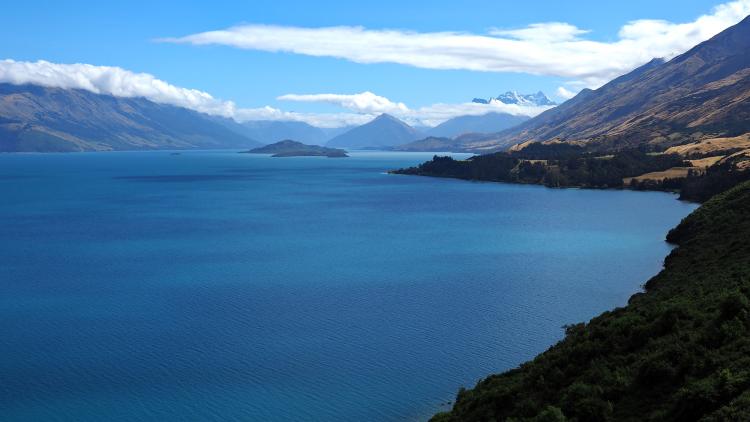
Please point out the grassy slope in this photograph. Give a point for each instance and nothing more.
(679, 351)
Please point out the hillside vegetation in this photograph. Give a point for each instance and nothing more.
(567, 165)
(678, 352)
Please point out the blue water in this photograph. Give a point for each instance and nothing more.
(224, 286)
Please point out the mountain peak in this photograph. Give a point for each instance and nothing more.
(513, 97)
(390, 120)
(382, 131)
(386, 116)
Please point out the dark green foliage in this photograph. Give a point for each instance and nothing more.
(697, 186)
(550, 414)
(559, 151)
(717, 179)
(556, 165)
(495, 168)
(678, 352)
(290, 148)
(565, 165)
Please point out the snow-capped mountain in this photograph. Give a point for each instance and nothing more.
(513, 97)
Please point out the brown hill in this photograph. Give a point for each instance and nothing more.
(43, 119)
(702, 93)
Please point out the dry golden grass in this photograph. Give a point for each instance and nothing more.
(522, 145)
(518, 147)
(706, 162)
(673, 173)
(740, 159)
(710, 145)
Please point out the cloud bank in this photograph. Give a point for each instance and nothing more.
(553, 49)
(365, 102)
(435, 114)
(324, 120)
(120, 82)
(371, 105)
(112, 81)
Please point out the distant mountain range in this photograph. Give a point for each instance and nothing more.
(432, 144)
(486, 123)
(42, 119)
(385, 131)
(702, 93)
(270, 131)
(389, 132)
(513, 97)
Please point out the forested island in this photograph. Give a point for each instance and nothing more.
(289, 148)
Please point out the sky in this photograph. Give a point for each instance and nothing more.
(335, 63)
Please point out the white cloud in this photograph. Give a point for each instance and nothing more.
(113, 81)
(119, 82)
(565, 93)
(327, 120)
(435, 114)
(555, 49)
(372, 105)
(364, 102)
(543, 32)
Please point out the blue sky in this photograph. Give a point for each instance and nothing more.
(125, 35)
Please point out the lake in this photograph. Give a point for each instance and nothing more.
(212, 285)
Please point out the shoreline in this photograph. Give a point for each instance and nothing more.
(634, 338)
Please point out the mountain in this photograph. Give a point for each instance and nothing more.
(704, 92)
(384, 131)
(487, 123)
(332, 132)
(44, 119)
(268, 131)
(289, 148)
(432, 144)
(513, 97)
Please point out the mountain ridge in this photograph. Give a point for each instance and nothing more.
(384, 131)
(485, 123)
(270, 131)
(513, 97)
(35, 118)
(704, 90)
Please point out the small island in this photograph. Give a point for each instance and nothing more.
(289, 148)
